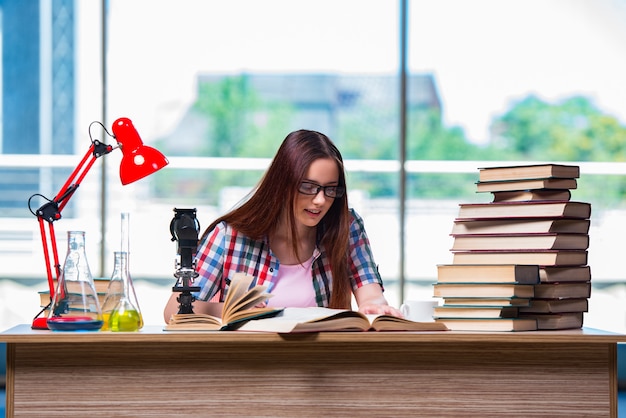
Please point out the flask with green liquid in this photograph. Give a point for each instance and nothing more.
(120, 309)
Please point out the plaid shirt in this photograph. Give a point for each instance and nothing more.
(225, 252)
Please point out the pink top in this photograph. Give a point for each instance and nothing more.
(294, 286)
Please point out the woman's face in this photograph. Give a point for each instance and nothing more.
(311, 208)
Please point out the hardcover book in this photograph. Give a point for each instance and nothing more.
(483, 290)
(488, 273)
(541, 258)
(506, 226)
(563, 290)
(482, 301)
(549, 241)
(517, 185)
(526, 172)
(493, 324)
(556, 306)
(581, 273)
(556, 321)
(530, 195)
(475, 312)
(511, 210)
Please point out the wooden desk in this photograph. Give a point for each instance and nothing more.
(155, 373)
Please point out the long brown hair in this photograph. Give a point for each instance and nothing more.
(274, 197)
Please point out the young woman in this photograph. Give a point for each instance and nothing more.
(296, 234)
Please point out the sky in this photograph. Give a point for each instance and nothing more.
(484, 54)
(492, 52)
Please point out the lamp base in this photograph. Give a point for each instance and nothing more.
(40, 323)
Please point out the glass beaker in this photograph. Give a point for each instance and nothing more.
(75, 305)
(120, 309)
(126, 315)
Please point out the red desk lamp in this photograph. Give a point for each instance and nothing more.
(138, 161)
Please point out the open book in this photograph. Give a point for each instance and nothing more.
(239, 307)
(319, 319)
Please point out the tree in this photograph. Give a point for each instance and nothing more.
(429, 139)
(572, 130)
(236, 123)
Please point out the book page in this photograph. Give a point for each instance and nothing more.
(182, 322)
(238, 307)
(239, 285)
(241, 301)
(393, 323)
(297, 319)
(249, 300)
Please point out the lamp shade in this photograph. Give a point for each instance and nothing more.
(138, 160)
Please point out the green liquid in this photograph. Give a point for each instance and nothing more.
(125, 320)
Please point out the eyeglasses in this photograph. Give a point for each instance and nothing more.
(313, 189)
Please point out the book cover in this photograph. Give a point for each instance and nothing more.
(100, 284)
(541, 258)
(493, 324)
(482, 301)
(552, 274)
(44, 298)
(518, 185)
(530, 195)
(562, 290)
(538, 209)
(507, 226)
(475, 312)
(556, 306)
(483, 290)
(527, 172)
(488, 273)
(556, 321)
(549, 241)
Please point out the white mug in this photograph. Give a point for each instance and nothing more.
(419, 310)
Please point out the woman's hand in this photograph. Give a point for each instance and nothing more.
(377, 309)
(371, 301)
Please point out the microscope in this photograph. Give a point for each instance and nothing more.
(184, 228)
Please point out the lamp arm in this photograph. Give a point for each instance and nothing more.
(96, 150)
(51, 211)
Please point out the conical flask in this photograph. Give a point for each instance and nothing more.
(120, 309)
(115, 290)
(75, 305)
(125, 245)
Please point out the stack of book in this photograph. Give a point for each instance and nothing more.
(519, 261)
(101, 286)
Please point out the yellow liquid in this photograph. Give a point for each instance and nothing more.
(125, 320)
(105, 321)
